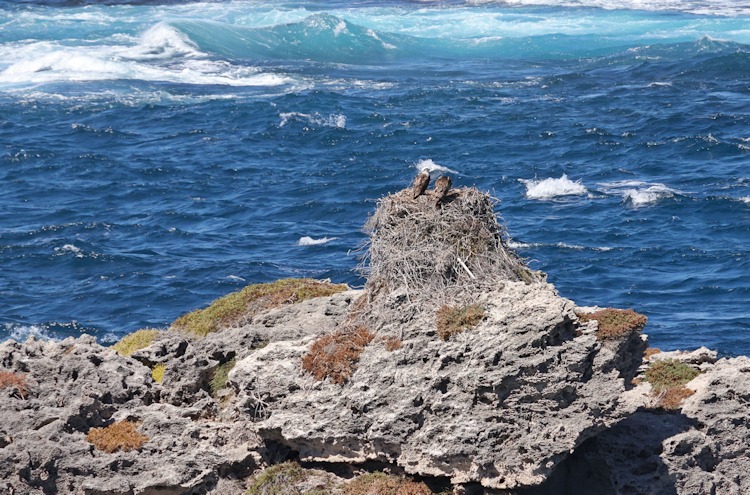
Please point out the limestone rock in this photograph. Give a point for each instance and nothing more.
(701, 449)
(501, 404)
(715, 456)
(76, 385)
(697, 357)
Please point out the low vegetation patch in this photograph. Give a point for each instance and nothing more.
(651, 351)
(383, 484)
(336, 356)
(157, 372)
(672, 398)
(220, 376)
(17, 381)
(452, 320)
(140, 339)
(281, 479)
(392, 343)
(121, 435)
(669, 373)
(615, 323)
(667, 378)
(239, 307)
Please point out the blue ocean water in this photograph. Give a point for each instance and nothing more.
(155, 156)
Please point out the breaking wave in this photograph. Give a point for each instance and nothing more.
(639, 193)
(309, 241)
(551, 188)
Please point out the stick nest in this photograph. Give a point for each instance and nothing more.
(457, 247)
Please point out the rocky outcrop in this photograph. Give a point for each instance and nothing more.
(468, 370)
(528, 400)
(700, 449)
(500, 405)
(76, 385)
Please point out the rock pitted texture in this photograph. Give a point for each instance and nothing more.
(714, 457)
(702, 449)
(500, 404)
(77, 384)
(527, 401)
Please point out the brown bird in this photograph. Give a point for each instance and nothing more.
(442, 186)
(421, 183)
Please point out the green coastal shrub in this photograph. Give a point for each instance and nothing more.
(384, 484)
(220, 376)
(669, 373)
(237, 307)
(140, 339)
(615, 323)
(452, 320)
(157, 372)
(278, 480)
(667, 378)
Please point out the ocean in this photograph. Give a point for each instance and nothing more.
(157, 155)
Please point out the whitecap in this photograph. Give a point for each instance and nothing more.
(639, 193)
(161, 54)
(20, 333)
(745, 199)
(337, 121)
(109, 338)
(309, 241)
(524, 245)
(70, 248)
(162, 41)
(552, 188)
(575, 247)
(432, 167)
(235, 278)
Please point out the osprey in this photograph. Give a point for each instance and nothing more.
(421, 183)
(442, 186)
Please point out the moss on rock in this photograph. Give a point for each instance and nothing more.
(139, 339)
(239, 307)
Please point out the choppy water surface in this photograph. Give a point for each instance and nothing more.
(156, 156)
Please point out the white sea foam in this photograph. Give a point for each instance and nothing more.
(561, 245)
(340, 28)
(333, 120)
(70, 248)
(160, 42)
(235, 278)
(309, 241)
(706, 7)
(161, 54)
(20, 333)
(553, 188)
(433, 167)
(745, 199)
(109, 338)
(639, 193)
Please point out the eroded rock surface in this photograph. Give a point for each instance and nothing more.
(500, 404)
(77, 384)
(702, 449)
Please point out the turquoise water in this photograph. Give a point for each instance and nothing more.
(157, 156)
